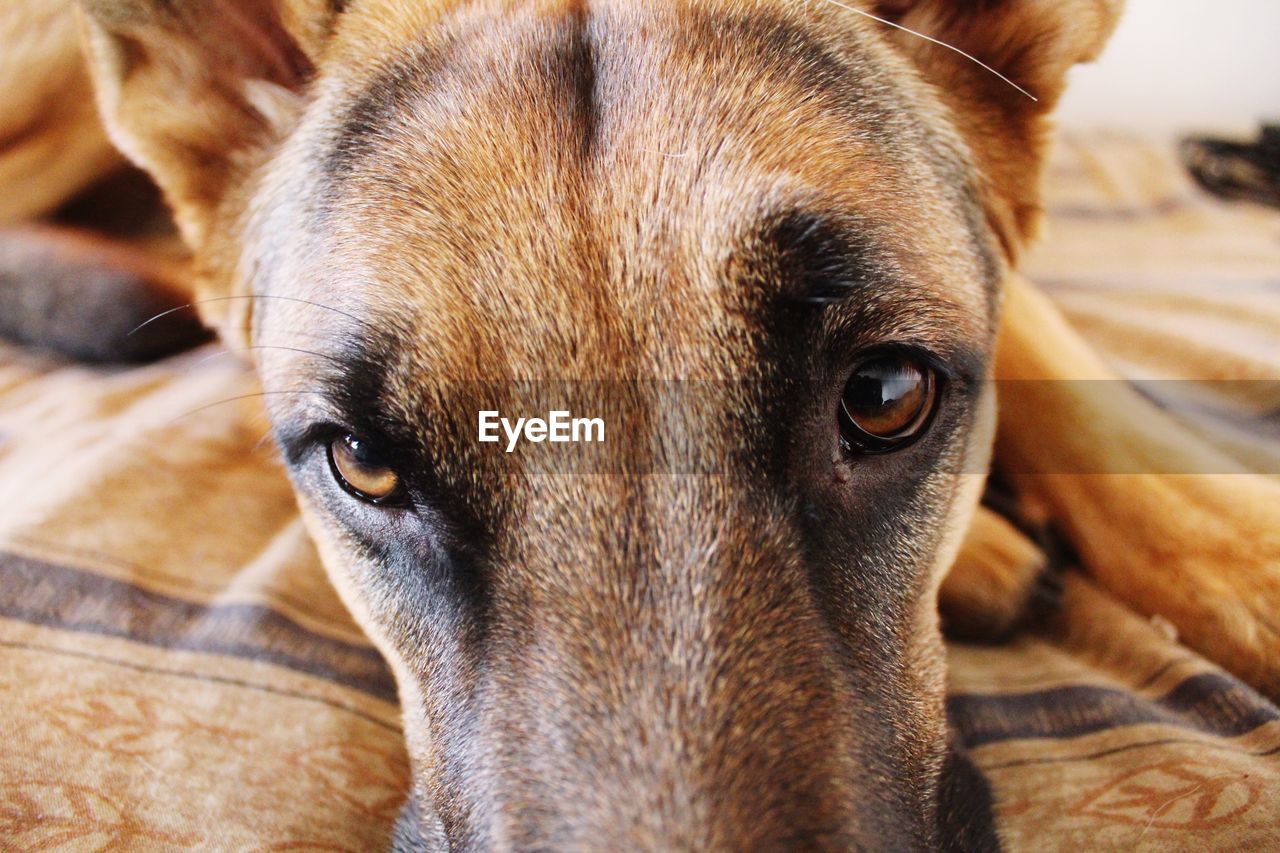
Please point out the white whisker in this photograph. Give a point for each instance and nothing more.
(932, 40)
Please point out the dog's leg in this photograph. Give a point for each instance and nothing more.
(84, 295)
(1201, 550)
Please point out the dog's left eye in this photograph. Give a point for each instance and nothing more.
(888, 402)
(361, 471)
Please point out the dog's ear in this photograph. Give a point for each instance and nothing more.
(195, 92)
(192, 90)
(1033, 43)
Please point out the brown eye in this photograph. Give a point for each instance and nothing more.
(359, 470)
(888, 403)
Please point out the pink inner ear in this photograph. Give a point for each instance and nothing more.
(262, 41)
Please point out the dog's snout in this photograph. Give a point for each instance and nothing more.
(678, 690)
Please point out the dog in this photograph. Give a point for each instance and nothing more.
(721, 630)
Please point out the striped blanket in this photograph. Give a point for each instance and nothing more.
(175, 671)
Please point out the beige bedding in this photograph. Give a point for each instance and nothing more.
(175, 671)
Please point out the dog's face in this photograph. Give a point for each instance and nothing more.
(754, 242)
(730, 219)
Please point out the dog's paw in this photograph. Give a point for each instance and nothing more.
(1001, 581)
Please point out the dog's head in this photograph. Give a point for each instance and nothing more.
(761, 241)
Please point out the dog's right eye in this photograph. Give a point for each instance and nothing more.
(362, 472)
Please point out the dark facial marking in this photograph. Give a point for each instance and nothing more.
(834, 280)
(377, 111)
(571, 62)
(567, 59)
(820, 263)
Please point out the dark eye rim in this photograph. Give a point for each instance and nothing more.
(396, 499)
(857, 441)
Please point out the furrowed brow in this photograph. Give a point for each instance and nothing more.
(340, 397)
(350, 389)
(830, 261)
(819, 262)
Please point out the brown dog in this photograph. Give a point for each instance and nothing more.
(764, 243)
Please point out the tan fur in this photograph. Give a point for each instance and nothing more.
(216, 101)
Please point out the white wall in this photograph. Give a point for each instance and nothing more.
(1183, 64)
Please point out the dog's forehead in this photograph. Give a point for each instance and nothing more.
(547, 181)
